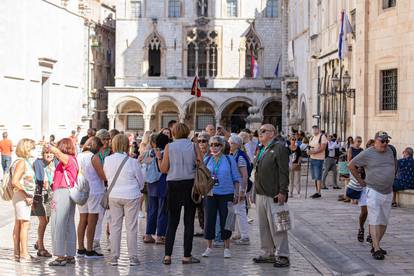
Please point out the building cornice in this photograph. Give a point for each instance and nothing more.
(112, 89)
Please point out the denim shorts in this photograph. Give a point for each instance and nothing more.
(316, 167)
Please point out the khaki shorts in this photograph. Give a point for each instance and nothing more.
(21, 210)
(93, 205)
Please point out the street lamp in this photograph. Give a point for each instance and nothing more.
(346, 78)
(336, 83)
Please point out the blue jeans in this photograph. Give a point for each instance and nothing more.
(316, 167)
(157, 216)
(5, 162)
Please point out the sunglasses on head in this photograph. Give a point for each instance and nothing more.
(202, 141)
(262, 131)
(215, 145)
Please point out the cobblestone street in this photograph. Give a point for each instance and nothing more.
(323, 242)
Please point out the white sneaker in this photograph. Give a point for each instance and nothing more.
(244, 241)
(141, 214)
(227, 253)
(207, 252)
(134, 261)
(113, 261)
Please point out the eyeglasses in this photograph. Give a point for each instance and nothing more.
(216, 145)
(202, 141)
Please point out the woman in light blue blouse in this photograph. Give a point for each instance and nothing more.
(225, 173)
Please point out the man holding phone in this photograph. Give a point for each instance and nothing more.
(271, 186)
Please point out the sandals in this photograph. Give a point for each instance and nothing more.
(394, 204)
(369, 239)
(384, 252)
(166, 261)
(160, 240)
(378, 255)
(192, 260)
(361, 235)
(148, 239)
(44, 253)
(57, 262)
(70, 260)
(264, 260)
(282, 262)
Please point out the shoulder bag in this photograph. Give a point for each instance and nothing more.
(203, 182)
(79, 193)
(105, 198)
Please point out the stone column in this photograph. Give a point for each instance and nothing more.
(111, 119)
(147, 121)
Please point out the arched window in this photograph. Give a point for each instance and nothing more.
(202, 7)
(252, 53)
(202, 53)
(154, 56)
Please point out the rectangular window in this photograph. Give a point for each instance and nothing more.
(174, 8)
(202, 7)
(232, 8)
(386, 4)
(204, 120)
(271, 8)
(166, 118)
(136, 9)
(135, 122)
(389, 85)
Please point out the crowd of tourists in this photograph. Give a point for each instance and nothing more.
(261, 168)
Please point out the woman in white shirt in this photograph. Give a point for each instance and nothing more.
(124, 198)
(90, 212)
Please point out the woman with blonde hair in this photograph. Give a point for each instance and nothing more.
(144, 150)
(123, 198)
(23, 180)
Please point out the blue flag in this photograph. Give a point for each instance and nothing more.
(277, 67)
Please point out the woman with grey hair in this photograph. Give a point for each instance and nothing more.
(244, 166)
(226, 176)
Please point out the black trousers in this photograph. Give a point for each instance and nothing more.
(214, 204)
(179, 195)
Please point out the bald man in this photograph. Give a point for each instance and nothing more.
(211, 130)
(271, 187)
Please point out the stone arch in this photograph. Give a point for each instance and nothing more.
(271, 111)
(206, 112)
(122, 100)
(127, 114)
(161, 110)
(234, 113)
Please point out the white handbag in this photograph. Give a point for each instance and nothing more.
(79, 193)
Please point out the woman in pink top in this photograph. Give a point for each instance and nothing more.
(63, 208)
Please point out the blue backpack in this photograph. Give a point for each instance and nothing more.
(246, 158)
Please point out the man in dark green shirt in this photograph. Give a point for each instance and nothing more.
(271, 186)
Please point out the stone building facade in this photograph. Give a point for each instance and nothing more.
(47, 66)
(162, 44)
(377, 95)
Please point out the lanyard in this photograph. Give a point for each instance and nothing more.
(48, 171)
(216, 166)
(262, 151)
(105, 154)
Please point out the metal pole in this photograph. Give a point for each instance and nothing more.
(307, 180)
(195, 112)
(341, 90)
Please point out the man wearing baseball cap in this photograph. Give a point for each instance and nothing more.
(379, 163)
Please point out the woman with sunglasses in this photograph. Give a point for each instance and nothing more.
(226, 176)
(44, 170)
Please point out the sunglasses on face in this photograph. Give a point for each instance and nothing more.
(384, 141)
(201, 141)
(216, 145)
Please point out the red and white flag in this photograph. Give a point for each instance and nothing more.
(195, 89)
(254, 65)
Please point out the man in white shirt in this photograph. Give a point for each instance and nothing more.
(330, 161)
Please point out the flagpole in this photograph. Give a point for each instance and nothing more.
(195, 113)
